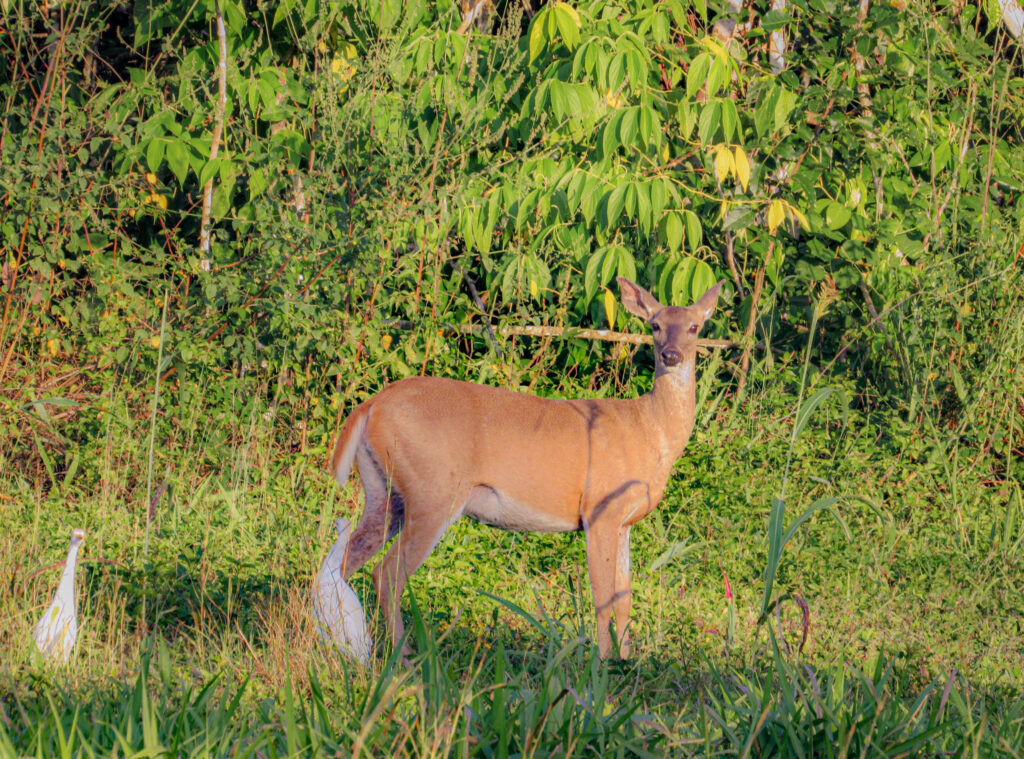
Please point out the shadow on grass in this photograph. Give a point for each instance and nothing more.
(527, 684)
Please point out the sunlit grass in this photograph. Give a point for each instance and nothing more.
(204, 644)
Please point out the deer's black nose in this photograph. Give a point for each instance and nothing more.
(671, 357)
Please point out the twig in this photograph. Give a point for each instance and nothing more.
(752, 322)
(875, 318)
(480, 305)
(730, 258)
(218, 129)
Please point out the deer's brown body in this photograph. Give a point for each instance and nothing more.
(431, 450)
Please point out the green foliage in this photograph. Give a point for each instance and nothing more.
(374, 161)
(377, 168)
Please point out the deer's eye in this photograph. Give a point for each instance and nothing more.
(693, 329)
(655, 328)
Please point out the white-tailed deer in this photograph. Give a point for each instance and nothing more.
(431, 450)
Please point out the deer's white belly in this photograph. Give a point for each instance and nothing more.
(492, 506)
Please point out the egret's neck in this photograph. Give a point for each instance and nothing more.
(67, 578)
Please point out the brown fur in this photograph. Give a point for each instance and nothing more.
(429, 450)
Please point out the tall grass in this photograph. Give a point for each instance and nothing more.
(497, 703)
(203, 645)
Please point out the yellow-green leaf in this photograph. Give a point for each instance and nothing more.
(742, 167)
(609, 307)
(538, 38)
(796, 214)
(776, 215)
(569, 10)
(723, 163)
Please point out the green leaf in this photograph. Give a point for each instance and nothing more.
(836, 215)
(694, 233)
(177, 160)
(617, 72)
(708, 122)
(625, 263)
(613, 209)
(718, 75)
(628, 125)
(644, 216)
(687, 119)
(774, 20)
(659, 196)
(210, 169)
(803, 415)
(701, 280)
(610, 137)
(697, 76)
(568, 24)
(609, 264)
(681, 279)
(764, 115)
(538, 33)
(783, 106)
(673, 231)
(257, 183)
(776, 515)
(155, 154)
(730, 120)
(631, 201)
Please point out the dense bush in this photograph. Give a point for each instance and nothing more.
(376, 163)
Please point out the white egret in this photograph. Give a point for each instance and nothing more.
(57, 630)
(337, 610)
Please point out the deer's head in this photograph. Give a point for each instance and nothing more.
(674, 328)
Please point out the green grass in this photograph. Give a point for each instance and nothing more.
(203, 644)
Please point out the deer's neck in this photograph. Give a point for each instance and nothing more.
(673, 402)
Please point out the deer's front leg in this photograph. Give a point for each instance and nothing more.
(603, 546)
(623, 595)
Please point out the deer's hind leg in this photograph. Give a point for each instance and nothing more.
(383, 514)
(424, 528)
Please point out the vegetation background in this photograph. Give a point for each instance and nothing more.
(224, 223)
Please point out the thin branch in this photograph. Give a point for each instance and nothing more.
(480, 305)
(752, 322)
(569, 333)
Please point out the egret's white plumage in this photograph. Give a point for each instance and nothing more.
(338, 613)
(57, 630)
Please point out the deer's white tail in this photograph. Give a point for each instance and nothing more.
(349, 437)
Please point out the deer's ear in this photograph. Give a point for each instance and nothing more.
(637, 300)
(706, 303)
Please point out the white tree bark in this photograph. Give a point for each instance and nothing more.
(777, 43)
(863, 89)
(218, 130)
